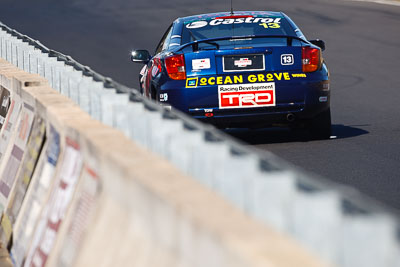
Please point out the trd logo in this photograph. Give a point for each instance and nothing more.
(247, 99)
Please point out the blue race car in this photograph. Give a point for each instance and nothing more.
(240, 70)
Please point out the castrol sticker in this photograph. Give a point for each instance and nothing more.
(246, 95)
(273, 22)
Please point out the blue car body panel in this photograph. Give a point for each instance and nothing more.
(228, 65)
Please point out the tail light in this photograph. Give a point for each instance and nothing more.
(311, 59)
(175, 66)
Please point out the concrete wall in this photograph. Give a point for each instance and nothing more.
(83, 194)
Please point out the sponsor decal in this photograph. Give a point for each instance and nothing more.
(143, 70)
(201, 64)
(246, 95)
(5, 104)
(208, 112)
(265, 22)
(156, 68)
(299, 75)
(19, 144)
(163, 97)
(87, 195)
(6, 101)
(323, 99)
(272, 25)
(240, 79)
(33, 148)
(61, 196)
(237, 79)
(243, 62)
(31, 224)
(197, 24)
(154, 71)
(236, 63)
(287, 59)
(192, 82)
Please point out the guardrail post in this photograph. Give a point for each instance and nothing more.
(109, 99)
(271, 196)
(167, 126)
(83, 94)
(34, 61)
(321, 232)
(137, 125)
(8, 49)
(57, 73)
(74, 80)
(64, 80)
(14, 53)
(48, 63)
(23, 49)
(209, 156)
(234, 175)
(183, 145)
(371, 235)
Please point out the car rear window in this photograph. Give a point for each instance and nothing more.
(235, 26)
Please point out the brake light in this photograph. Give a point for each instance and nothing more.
(175, 66)
(311, 58)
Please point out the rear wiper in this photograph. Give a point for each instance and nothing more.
(196, 45)
(207, 42)
(191, 34)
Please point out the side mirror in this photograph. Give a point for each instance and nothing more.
(319, 43)
(140, 56)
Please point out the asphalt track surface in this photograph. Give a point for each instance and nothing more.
(362, 38)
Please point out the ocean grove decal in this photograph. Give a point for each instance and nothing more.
(194, 82)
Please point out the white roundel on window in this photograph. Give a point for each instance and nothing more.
(196, 24)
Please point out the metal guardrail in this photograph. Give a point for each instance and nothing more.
(336, 222)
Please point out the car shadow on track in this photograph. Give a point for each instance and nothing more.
(284, 135)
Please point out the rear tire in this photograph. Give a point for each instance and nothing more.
(320, 126)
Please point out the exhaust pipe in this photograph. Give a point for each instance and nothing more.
(290, 117)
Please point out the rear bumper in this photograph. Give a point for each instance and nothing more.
(262, 117)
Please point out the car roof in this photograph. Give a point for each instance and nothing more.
(222, 14)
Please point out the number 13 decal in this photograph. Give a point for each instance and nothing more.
(287, 59)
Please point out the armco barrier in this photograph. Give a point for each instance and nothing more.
(332, 220)
(83, 194)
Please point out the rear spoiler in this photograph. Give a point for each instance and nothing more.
(195, 44)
